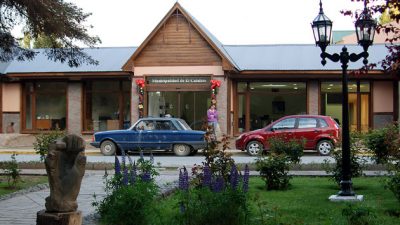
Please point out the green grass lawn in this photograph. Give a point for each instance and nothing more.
(25, 182)
(306, 202)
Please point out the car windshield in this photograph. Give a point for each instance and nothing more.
(183, 124)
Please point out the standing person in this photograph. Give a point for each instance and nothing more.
(212, 119)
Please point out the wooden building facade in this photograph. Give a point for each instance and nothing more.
(175, 70)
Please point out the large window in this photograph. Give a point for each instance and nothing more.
(359, 103)
(107, 105)
(268, 101)
(44, 106)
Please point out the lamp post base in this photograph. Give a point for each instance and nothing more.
(340, 198)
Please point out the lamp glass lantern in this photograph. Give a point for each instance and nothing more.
(322, 29)
(365, 29)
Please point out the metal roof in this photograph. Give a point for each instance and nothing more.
(3, 67)
(245, 57)
(296, 57)
(110, 60)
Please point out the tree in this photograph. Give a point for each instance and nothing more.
(62, 22)
(41, 41)
(391, 62)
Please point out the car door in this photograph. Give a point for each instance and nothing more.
(164, 134)
(283, 129)
(142, 134)
(307, 131)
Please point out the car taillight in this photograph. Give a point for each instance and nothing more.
(93, 138)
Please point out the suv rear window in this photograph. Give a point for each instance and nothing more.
(323, 123)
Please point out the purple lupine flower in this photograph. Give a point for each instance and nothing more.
(219, 184)
(133, 173)
(146, 176)
(183, 179)
(207, 176)
(141, 155)
(180, 179)
(117, 166)
(125, 168)
(234, 177)
(151, 158)
(246, 178)
(125, 176)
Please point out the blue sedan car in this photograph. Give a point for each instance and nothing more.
(152, 133)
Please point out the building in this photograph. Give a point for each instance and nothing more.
(173, 72)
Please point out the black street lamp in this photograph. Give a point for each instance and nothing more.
(365, 29)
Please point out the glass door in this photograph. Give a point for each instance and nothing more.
(190, 106)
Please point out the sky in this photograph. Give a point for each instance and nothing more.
(233, 22)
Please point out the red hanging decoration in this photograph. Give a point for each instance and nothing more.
(214, 85)
(140, 83)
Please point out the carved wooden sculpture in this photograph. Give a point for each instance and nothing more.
(65, 166)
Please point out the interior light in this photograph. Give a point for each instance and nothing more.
(274, 85)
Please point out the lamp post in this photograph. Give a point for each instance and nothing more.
(365, 30)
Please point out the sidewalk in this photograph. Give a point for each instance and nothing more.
(22, 208)
(22, 144)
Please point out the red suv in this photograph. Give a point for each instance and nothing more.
(321, 133)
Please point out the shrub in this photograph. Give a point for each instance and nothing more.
(274, 169)
(384, 143)
(357, 161)
(12, 172)
(130, 193)
(43, 140)
(393, 184)
(358, 215)
(292, 149)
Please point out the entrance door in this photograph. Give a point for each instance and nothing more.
(190, 106)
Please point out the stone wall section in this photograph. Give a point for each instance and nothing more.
(313, 97)
(74, 117)
(12, 117)
(222, 104)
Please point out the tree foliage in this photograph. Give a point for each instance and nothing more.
(41, 41)
(390, 10)
(61, 21)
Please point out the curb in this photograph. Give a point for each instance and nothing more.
(32, 152)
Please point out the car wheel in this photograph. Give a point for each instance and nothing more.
(181, 150)
(254, 147)
(324, 147)
(108, 148)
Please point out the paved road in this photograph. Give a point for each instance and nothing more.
(167, 160)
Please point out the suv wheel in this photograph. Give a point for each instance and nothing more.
(254, 147)
(324, 147)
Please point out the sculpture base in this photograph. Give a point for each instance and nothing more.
(338, 198)
(59, 218)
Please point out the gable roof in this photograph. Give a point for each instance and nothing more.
(110, 60)
(208, 36)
